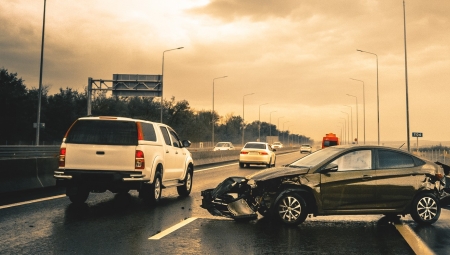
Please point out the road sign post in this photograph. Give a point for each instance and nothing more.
(417, 135)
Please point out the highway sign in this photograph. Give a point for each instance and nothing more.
(417, 134)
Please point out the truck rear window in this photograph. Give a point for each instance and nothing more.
(103, 132)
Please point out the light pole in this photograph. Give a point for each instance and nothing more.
(278, 126)
(270, 124)
(344, 130)
(259, 122)
(212, 114)
(351, 122)
(243, 123)
(378, 96)
(283, 130)
(340, 128)
(364, 109)
(357, 122)
(348, 124)
(38, 121)
(162, 81)
(406, 79)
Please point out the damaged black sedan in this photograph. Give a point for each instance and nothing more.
(338, 180)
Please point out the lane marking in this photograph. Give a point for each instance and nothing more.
(413, 240)
(31, 201)
(172, 229)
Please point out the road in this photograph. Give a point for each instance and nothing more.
(45, 222)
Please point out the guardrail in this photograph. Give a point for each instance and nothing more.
(33, 168)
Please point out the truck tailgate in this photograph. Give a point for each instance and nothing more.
(100, 157)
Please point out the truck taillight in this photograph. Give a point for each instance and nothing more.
(62, 157)
(139, 160)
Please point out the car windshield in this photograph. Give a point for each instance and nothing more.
(316, 157)
(255, 146)
(306, 145)
(222, 145)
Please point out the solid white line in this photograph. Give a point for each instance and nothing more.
(31, 201)
(171, 229)
(414, 241)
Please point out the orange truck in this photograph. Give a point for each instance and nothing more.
(330, 140)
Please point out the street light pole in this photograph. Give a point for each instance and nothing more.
(270, 124)
(162, 81)
(364, 109)
(357, 122)
(259, 122)
(38, 124)
(351, 122)
(278, 126)
(284, 141)
(243, 122)
(345, 126)
(212, 114)
(348, 124)
(378, 96)
(406, 79)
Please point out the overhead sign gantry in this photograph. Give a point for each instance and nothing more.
(145, 85)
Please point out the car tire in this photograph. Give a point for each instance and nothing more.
(291, 209)
(270, 164)
(155, 189)
(77, 195)
(185, 189)
(241, 165)
(425, 209)
(275, 160)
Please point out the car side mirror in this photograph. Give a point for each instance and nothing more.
(331, 168)
(186, 143)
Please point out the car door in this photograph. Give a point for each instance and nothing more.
(353, 185)
(172, 154)
(398, 178)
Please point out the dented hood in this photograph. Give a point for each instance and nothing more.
(272, 173)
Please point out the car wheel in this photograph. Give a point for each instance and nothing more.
(155, 189)
(241, 165)
(270, 164)
(275, 160)
(291, 209)
(425, 209)
(186, 188)
(77, 195)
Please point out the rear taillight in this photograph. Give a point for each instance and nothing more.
(62, 157)
(244, 152)
(263, 153)
(139, 162)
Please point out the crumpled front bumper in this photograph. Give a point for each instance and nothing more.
(227, 201)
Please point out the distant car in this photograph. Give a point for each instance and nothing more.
(223, 146)
(277, 145)
(305, 148)
(257, 153)
(337, 180)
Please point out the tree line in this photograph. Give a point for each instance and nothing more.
(19, 112)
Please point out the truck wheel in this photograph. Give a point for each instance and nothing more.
(77, 195)
(186, 188)
(425, 209)
(155, 190)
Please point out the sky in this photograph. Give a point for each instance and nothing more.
(299, 58)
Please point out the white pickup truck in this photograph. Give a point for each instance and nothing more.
(123, 154)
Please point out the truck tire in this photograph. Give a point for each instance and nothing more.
(77, 195)
(156, 189)
(185, 189)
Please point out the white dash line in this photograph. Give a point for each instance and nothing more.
(171, 229)
(31, 201)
